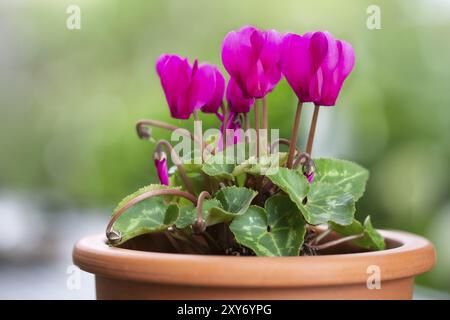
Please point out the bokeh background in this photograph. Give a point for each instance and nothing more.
(69, 100)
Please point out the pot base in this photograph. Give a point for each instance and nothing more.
(114, 289)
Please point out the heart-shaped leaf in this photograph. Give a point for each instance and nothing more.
(292, 182)
(143, 190)
(234, 201)
(277, 230)
(326, 202)
(149, 215)
(347, 175)
(320, 202)
(372, 239)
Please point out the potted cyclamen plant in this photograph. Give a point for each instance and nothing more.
(218, 218)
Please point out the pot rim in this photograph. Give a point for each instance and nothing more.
(414, 256)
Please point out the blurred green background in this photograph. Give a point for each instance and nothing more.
(69, 99)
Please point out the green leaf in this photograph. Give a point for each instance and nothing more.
(349, 176)
(188, 214)
(220, 171)
(372, 239)
(222, 164)
(219, 166)
(320, 202)
(234, 201)
(143, 190)
(186, 217)
(149, 215)
(292, 182)
(261, 166)
(197, 179)
(326, 202)
(228, 203)
(277, 230)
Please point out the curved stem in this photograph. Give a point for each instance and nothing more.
(335, 242)
(312, 129)
(177, 161)
(285, 142)
(143, 133)
(294, 134)
(199, 224)
(115, 236)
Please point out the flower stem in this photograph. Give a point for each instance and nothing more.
(199, 224)
(294, 134)
(312, 130)
(198, 134)
(265, 121)
(247, 127)
(256, 113)
(285, 142)
(177, 161)
(226, 114)
(144, 134)
(195, 113)
(335, 242)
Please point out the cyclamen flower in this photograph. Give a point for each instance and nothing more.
(236, 100)
(214, 84)
(328, 82)
(316, 65)
(189, 87)
(252, 57)
(160, 160)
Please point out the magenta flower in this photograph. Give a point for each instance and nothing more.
(316, 65)
(328, 82)
(213, 84)
(236, 100)
(160, 160)
(252, 58)
(189, 87)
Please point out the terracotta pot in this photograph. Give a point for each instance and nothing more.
(123, 273)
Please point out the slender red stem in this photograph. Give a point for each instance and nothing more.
(335, 242)
(256, 114)
(199, 224)
(312, 129)
(226, 114)
(144, 134)
(265, 121)
(294, 134)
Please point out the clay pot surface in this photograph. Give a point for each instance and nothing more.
(123, 273)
